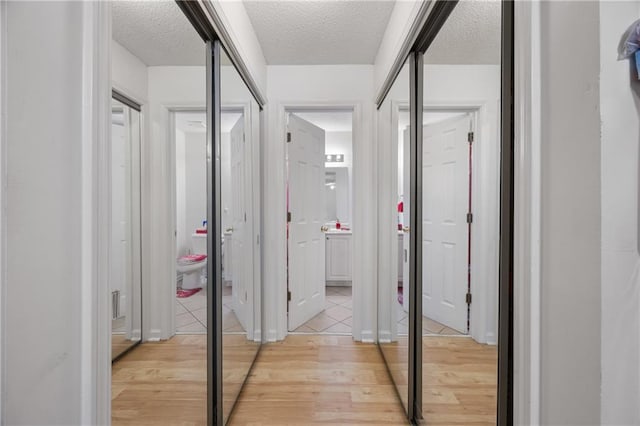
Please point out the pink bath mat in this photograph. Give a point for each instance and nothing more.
(187, 293)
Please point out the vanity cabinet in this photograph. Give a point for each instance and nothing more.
(338, 256)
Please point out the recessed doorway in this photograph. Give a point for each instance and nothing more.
(320, 221)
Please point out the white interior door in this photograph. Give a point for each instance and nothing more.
(121, 265)
(406, 203)
(241, 261)
(444, 221)
(306, 243)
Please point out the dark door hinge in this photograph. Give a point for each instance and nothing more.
(470, 137)
(288, 296)
(468, 298)
(288, 217)
(288, 136)
(469, 217)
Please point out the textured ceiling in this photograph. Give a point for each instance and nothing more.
(329, 121)
(316, 32)
(471, 35)
(157, 32)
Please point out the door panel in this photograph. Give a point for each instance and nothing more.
(239, 259)
(306, 242)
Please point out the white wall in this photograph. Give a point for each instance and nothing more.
(128, 73)
(182, 244)
(570, 214)
(49, 288)
(334, 86)
(195, 183)
(619, 107)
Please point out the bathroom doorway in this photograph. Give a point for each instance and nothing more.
(319, 221)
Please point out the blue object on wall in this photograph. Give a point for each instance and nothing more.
(637, 55)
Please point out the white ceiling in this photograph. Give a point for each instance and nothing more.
(306, 32)
(329, 121)
(471, 35)
(157, 32)
(316, 32)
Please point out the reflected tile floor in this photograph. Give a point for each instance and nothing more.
(429, 326)
(191, 314)
(336, 317)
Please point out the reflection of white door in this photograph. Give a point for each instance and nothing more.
(406, 202)
(306, 244)
(444, 219)
(241, 264)
(121, 265)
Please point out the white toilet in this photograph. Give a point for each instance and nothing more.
(192, 267)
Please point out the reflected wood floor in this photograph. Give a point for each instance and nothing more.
(324, 379)
(307, 379)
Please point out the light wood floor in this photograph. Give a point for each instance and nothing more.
(305, 380)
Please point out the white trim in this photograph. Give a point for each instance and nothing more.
(527, 218)
(95, 382)
(278, 311)
(3, 202)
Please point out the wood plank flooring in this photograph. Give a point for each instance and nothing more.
(306, 379)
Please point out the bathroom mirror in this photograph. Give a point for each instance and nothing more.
(393, 276)
(125, 278)
(240, 225)
(337, 194)
(460, 209)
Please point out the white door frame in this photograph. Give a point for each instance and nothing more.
(277, 223)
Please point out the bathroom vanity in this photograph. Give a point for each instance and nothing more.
(338, 257)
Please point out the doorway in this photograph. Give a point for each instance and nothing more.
(319, 221)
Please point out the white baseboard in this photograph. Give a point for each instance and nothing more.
(257, 336)
(272, 335)
(490, 339)
(155, 335)
(367, 336)
(385, 336)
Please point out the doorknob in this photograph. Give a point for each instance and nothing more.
(228, 230)
(324, 228)
(406, 229)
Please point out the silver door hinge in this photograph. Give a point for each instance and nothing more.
(288, 136)
(288, 296)
(468, 298)
(288, 216)
(469, 217)
(470, 137)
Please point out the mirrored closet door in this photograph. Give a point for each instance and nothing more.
(125, 271)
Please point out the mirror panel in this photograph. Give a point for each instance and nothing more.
(240, 224)
(393, 252)
(125, 273)
(460, 211)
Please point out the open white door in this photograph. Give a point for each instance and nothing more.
(445, 239)
(306, 240)
(241, 265)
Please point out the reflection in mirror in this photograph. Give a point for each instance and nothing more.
(126, 307)
(393, 273)
(240, 224)
(460, 191)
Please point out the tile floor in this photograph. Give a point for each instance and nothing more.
(191, 314)
(336, 318)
